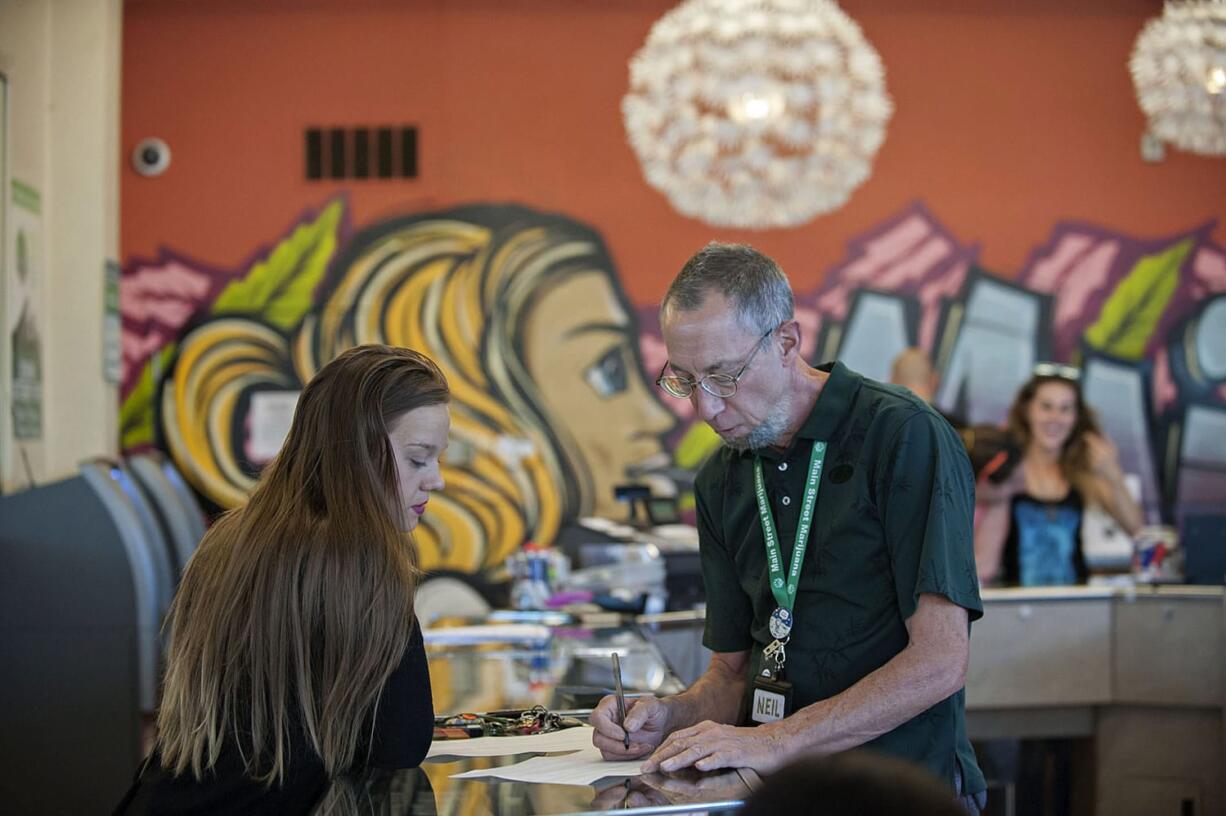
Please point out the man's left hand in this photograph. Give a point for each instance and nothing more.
(708, 746)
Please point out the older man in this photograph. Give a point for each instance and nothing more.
(835, 535)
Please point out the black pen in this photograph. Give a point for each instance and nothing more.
(621, 698)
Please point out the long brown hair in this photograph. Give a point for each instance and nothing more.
(1075, 455)
(297, 607)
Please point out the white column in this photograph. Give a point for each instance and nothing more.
(62, 59)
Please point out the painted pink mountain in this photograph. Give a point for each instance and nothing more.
(910, 253)
(156, 300)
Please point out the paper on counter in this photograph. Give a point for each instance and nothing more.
(566, 739)
(487, 633)
(580, 768)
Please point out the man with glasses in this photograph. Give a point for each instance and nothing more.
(835, 537)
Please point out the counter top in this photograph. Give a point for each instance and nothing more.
(1090, 592)
(647, 794)
(570, 669)
(1011, 594)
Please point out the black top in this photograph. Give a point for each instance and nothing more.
(403, 729)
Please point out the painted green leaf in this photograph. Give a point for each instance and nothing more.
(278, 289)
(697, 444)
(1131, 314)
(136, 412)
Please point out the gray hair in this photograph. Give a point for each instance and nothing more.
(752, 282)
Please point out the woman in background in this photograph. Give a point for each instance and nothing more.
(294, 654)
(1030, 501)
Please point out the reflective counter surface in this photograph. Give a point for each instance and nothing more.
(412, 792)
(570, 671)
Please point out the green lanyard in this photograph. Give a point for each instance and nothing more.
(787, 596)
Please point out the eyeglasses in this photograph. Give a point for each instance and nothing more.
(1063, 372)
(717, 385)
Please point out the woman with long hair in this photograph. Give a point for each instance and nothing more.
(1030, 500)
(294, 655)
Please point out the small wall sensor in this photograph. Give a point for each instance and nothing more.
(1152, 148)
(151, 157)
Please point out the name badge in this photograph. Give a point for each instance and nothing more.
(771, 700)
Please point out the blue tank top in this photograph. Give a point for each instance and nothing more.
(1044, 543)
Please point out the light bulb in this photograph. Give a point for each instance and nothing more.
(1215, 82)
(756, 105)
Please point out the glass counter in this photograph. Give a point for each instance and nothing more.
(427, 791)
(569, 670)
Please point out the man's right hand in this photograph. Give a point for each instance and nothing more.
(646, 722)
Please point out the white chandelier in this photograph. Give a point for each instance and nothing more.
(756, 113)
(1179, 69)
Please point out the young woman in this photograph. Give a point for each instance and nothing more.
(294, 656)
(1030, 501)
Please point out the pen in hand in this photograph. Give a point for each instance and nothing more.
(621, 698)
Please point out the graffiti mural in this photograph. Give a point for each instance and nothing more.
(1145, 319)
(551, 368)
(522, 311)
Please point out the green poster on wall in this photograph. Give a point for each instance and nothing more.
(4, 133)
(112, 351)
(23, 284)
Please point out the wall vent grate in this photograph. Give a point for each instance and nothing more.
(380, 153)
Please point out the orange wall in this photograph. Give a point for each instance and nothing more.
(1009, 117)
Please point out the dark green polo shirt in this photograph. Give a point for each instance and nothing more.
(893, 520)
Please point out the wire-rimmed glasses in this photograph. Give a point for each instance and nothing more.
(717, 385)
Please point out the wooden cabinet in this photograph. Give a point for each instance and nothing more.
(1169, 650)
(1038, 651)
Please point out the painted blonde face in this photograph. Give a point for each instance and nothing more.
(579, 347)
(418, 439)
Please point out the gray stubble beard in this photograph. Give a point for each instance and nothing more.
(766, 432)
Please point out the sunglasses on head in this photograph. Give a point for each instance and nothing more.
(1063, 372)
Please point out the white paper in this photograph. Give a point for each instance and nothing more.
(567, 739)
(270, 415)
(580, 768)
(498, 633)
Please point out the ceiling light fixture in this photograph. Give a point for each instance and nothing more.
(1179, 70)
(756, 113)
